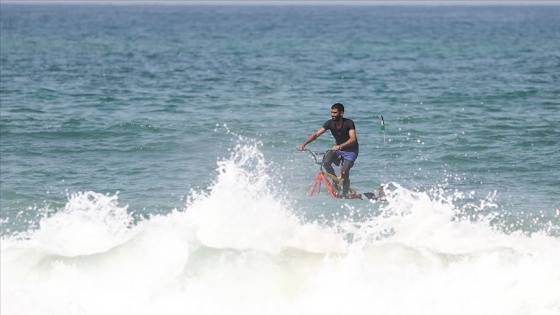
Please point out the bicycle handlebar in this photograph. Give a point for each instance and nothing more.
(314, 155)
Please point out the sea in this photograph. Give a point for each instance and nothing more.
(149, 163)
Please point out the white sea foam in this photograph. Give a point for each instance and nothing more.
(239, 249)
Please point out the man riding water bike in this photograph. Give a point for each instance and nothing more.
(346, 148)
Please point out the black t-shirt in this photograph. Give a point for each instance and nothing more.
(343, 134)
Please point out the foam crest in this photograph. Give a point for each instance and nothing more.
(90, 222)
(431, 220)
(242, 212)
(237, 248)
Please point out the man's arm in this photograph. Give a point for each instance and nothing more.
(352, 139)
(311, 138)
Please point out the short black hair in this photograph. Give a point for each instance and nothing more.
(338, 106)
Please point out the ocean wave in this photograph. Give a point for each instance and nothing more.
(239, 248)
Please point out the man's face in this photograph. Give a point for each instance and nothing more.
(336, 115)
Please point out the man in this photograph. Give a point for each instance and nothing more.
(346, 148)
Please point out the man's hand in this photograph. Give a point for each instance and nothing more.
(300, 147)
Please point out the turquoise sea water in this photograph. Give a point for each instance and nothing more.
(167, 134)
